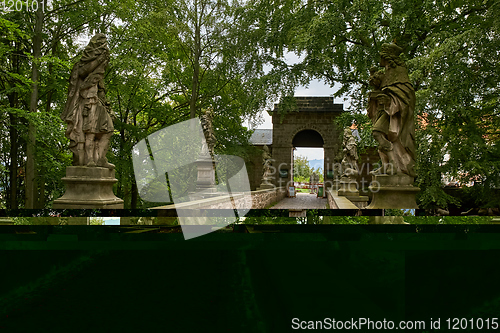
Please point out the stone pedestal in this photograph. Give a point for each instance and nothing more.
(266, 184)
(348, 187)
(89, 188)
(393, 192)
(205, 181)
(359, 201)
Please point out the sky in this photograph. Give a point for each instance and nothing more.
(111, 220)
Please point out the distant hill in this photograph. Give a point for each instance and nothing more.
(112, 221)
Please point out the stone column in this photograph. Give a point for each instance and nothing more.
(206, 175)
(282, 157)
(329, 161)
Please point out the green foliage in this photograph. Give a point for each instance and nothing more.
(95, 220)
(398, 212)
(312, 218)
(448, 219)
(364, 126)
(21, 220)
(302, 171)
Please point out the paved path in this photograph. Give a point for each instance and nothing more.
(302, 201)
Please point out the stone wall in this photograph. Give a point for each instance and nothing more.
(263, 198)
(257, 200)
(331, 203)
(254, 168)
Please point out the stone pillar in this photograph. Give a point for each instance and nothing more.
(282, 160)
(206, 175)
(329, 161)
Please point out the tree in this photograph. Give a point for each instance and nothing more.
(301, 169)
(97, 221)
(13, 85)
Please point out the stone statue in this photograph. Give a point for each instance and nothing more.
(391, 107)
(87, 112)
(266, 169)
(206, 123)
(266, 163)
(350, 160)
(314, 178)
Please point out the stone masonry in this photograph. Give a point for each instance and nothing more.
(314, 114)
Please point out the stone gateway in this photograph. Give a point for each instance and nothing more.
(311, 125)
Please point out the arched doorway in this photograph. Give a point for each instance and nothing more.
(308, 139)
(312, 125)
(307, 149)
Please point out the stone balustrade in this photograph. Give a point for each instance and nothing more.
(338, 202)
(256, 200)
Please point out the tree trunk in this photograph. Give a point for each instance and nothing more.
(31, 189)
(41, 184)
(12, 200)
(14, 151)
(135, 195)
(196, 65)
(50, 94)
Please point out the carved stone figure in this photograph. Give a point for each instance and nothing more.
(87, 112)
(266, 169)
(314, 178)
(266, 163)
(205, 163)
(206, 123)
(350, 160)
(391, 108)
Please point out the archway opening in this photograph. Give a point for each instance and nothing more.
(308, 138)
(308, 158)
